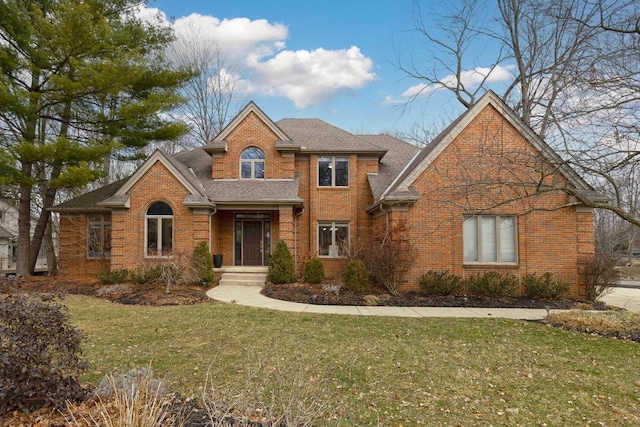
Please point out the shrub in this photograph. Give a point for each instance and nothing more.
(202, 264)
(145, 275)
(40, 361)
(492, 284)
(314, 271)
(598, 274)
(546, 286)
(441, 283)
(282, 268)
(388, 255)
(356, 276)
(112, 277)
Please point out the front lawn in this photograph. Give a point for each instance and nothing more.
(382, 371)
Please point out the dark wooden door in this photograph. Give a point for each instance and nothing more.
(252, 243)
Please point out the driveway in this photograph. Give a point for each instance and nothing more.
(626, 296)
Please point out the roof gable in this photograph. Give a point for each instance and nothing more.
(429, 153)
(246, 111)
(121, 197)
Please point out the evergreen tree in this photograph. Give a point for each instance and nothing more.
(80, 80)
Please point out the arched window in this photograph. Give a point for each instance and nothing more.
(252, 163)
(159, 231)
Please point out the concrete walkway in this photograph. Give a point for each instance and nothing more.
(627, 298)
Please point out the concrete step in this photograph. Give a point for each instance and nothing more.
(245, 279)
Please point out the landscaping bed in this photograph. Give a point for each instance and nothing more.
(324, 294)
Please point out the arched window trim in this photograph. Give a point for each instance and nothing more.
(158, 230)
(252, 163)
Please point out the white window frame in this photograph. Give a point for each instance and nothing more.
(159, 239)
(477, 240)
(101, 222)
(334, 248)
(252, 163)
(332, 165)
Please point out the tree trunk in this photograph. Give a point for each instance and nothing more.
(24, 224)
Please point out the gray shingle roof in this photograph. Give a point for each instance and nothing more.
(253, 191)
(89, 201)
(315, 135)
(399, 153)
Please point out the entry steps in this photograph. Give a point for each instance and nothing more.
(244, 276)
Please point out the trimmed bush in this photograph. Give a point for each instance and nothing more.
(441, 283)
(356, 276)
(282, 268)
(545, 286)
(202, 264)
(314, 271)
(492, 284)
(145, 275)
(112, 277)
(40, 361)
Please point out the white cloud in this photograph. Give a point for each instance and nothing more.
(469, 79)
(255, 51)
(312, 77)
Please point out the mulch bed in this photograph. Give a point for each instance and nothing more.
(324, 294)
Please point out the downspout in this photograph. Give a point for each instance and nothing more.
(386, 213)
(295, 238)
(215, 209)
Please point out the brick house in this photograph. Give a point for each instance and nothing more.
(466, 201)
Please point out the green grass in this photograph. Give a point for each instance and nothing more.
(385, 371)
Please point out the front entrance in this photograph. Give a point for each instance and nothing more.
(252, 239)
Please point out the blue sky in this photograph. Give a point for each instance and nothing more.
(333, 60)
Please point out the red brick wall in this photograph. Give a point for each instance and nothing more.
(343, 204)
(252, 132)
(73, 247)
(490, 151)
(128, 228)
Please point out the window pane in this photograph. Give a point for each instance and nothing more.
(167, 236)
(324, 171)
(252, 153)
(342, 238)
(93, 244)
(159, 208)
(152, 236)
(245, 172)
(508, 239)
(324, 239)
(106, 244)
(342, 171)
(258, 169)
(488, 239)
(470, 239)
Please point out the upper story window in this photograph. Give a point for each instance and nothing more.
(333, 171)
(99, 236)
(490, 239)
(159, 233)
(252, 163)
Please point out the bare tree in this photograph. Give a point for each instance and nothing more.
(211, 96)
(575, 68)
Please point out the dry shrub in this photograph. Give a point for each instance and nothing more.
(40, 353)
(387, 255)
(599, 275)
(135, 399)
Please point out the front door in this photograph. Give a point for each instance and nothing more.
(252, 243)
